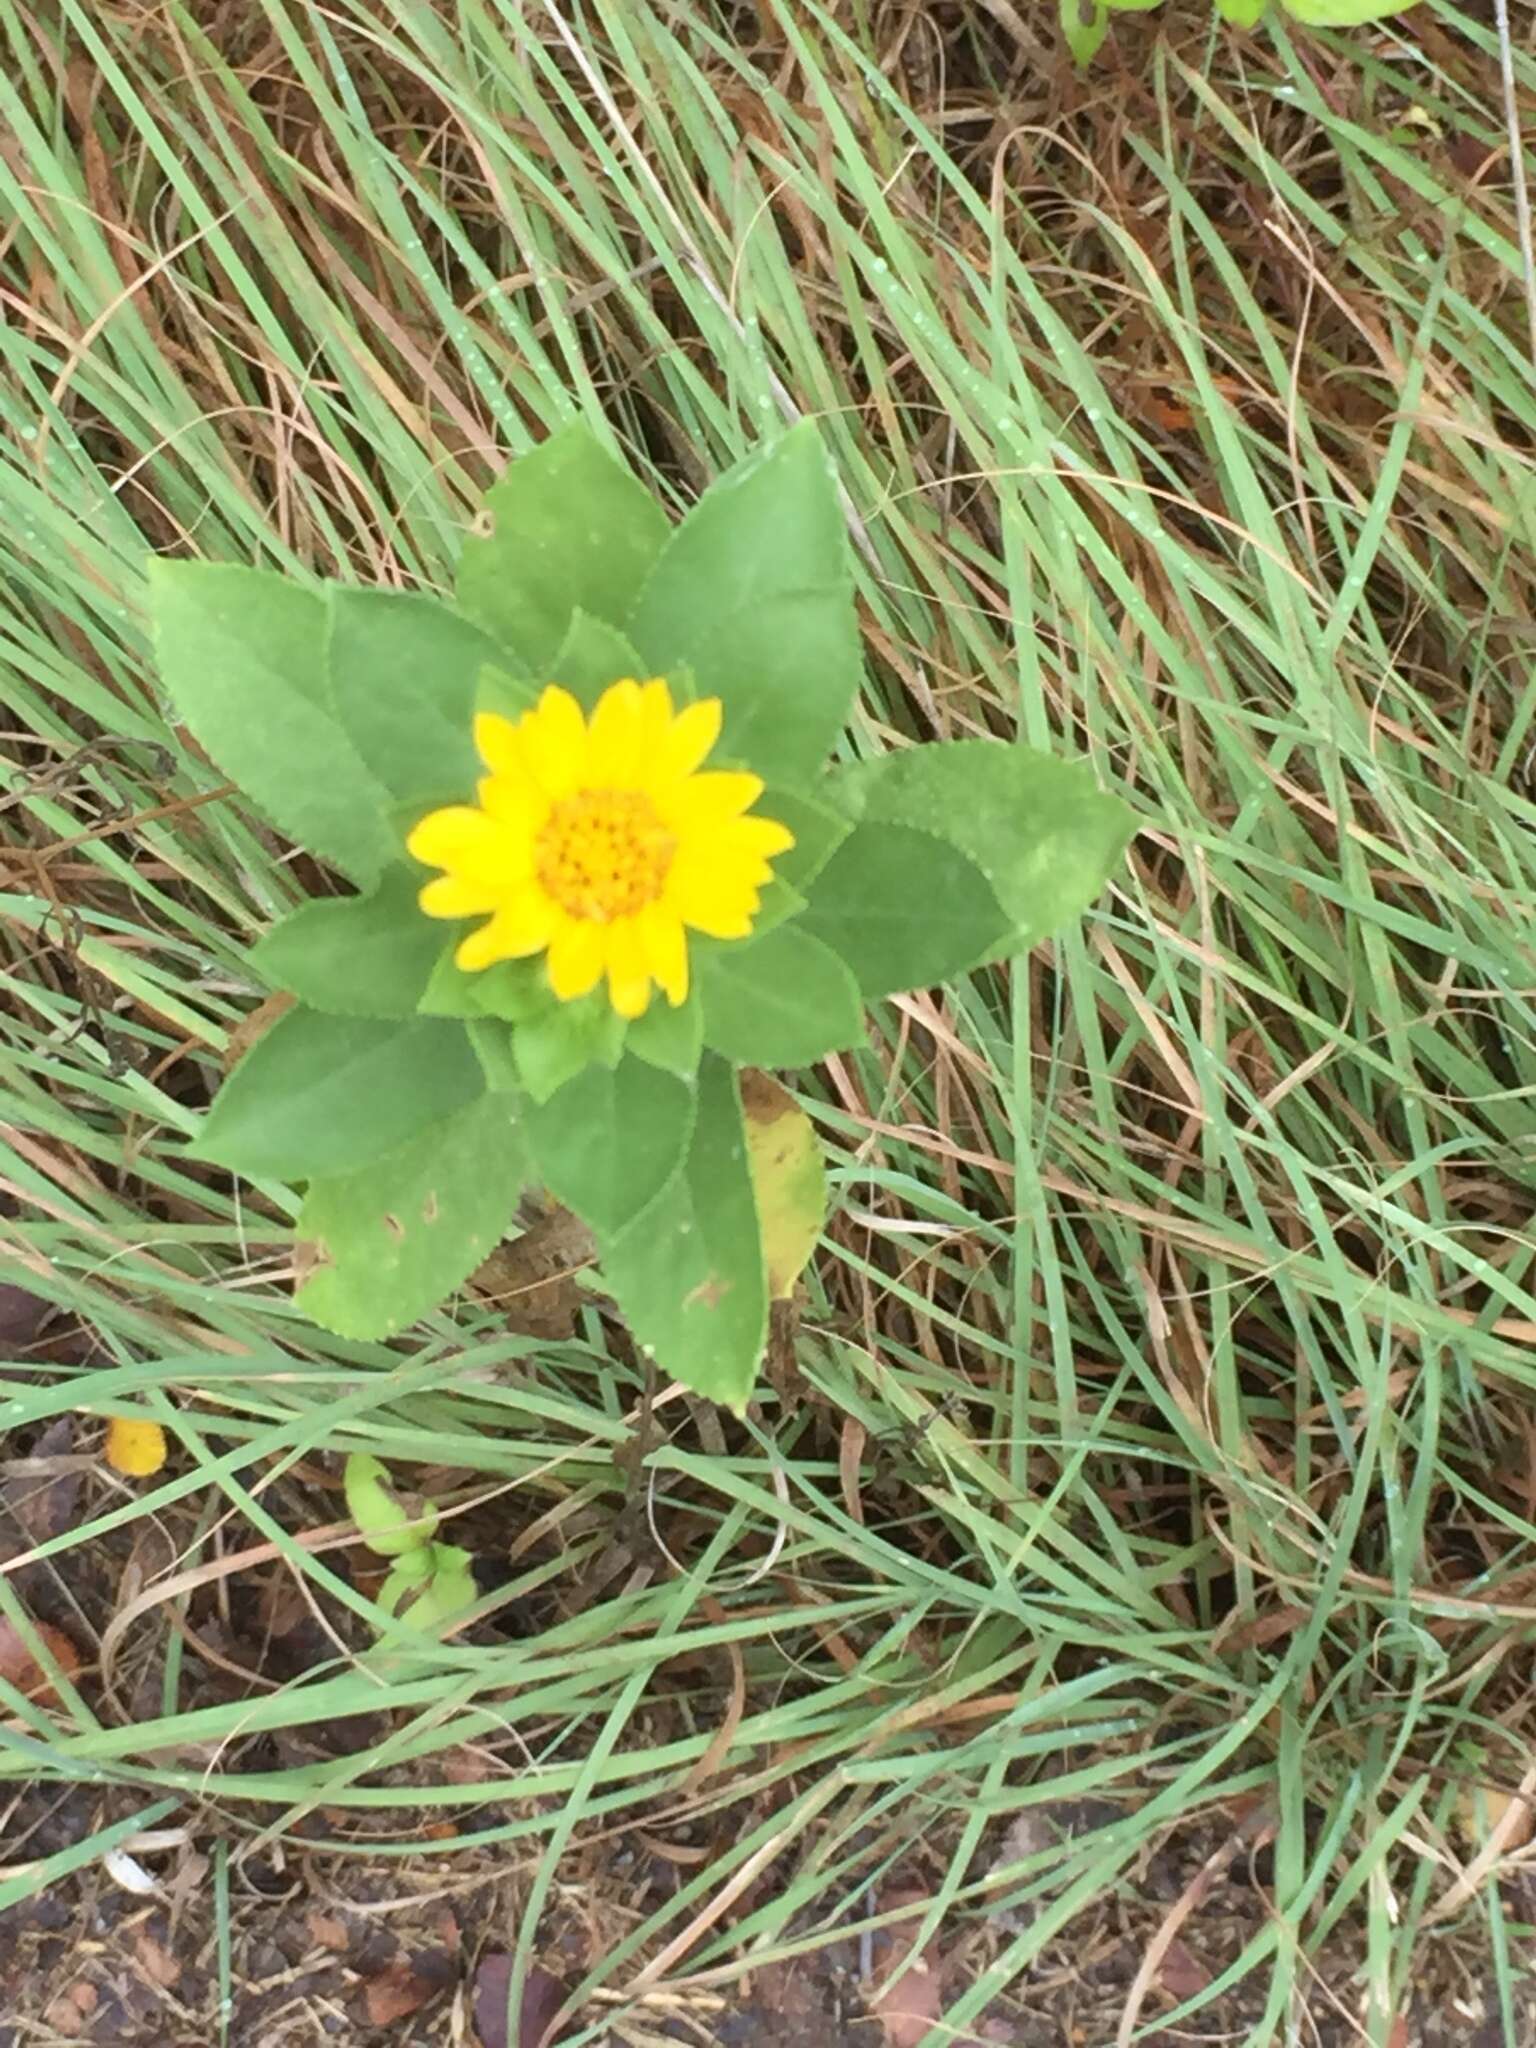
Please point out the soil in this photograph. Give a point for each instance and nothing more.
(319, 1946)
(327, 1950)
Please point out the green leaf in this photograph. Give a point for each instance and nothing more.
(608, 1142)
(321, 1095)
(778, 903)
(490, 1039)
(404, 676)
(592, 655)
(789, 1179)
(511, 989)
(753, 595)
(242, 656)
(1084, 24)
(413, 1568)
(509, 695)
(390, 1527)
(818, 824)
(396, 1239)
(566, 529)
(1241, 13)
(688, 1272)
(1040, 829)
(667, 1038)
(782, 1000)
(354, 956)
(1343, 13)
(904, 909)
(562, 1039)
(427, 1595)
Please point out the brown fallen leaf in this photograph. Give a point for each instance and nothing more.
(543, 1996)
(532, 1278)
(20, 1668)
(71, 2010)
(908, 1997)
(155, 1960)
(1181, 1972)
(395, 1993)
(328, 1932)
(40, 1494)
(22, 1315)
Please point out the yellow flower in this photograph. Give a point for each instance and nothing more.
(602, 843)
(135, 1448)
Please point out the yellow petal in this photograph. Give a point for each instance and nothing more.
(577, 954)
(453, 896)
(511, 791)
(519, 928)
(630, 998)
(655, 720)
(473, 845)
(497, 743)
(694, 732)
(613, 738)
(762, 837)
(625, 950)
(513, 798)
(705, 802)
(666, 950)
(554, 742)
(721, 905)
(136, 1449)
(629, 976)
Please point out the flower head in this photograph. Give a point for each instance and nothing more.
(601, 842)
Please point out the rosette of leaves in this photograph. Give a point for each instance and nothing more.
(416, 1098)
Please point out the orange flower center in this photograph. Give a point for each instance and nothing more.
(603, 854)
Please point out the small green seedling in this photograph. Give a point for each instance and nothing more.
(430, 1586)
(388, 1526)
(429, 1582)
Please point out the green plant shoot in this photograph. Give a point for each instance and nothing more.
(601, 862)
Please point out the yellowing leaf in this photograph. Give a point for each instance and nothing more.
(135, 1448)
(789, 1179)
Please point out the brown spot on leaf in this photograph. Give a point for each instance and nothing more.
(763, 1098)
(483, 525)
(710, 1292)
(430, 1210)
(256, 1025)
(395, 1227)
(309, 1255)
